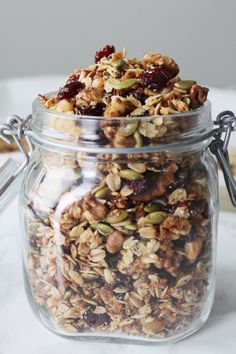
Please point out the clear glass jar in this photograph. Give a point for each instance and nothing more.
(119, 220)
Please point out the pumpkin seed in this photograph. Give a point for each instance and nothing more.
(138, 139)
(151, 207)
(132, 227)
(147, 232)
(137, 166)
(128, 129)
(102, 192)
(155, 218)
(118, 63)
(184, 84)
(113, 182)
(120, 85)
(104, 229)
(89, 276)
(116, 216)
(131, 175)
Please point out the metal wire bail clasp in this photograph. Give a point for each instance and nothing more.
(219, 147)
(14, 127)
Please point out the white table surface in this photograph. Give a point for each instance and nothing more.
(21, 333)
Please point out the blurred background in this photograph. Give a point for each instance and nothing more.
(53, 37)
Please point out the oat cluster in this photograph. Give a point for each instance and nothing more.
(115, 86)
(122, 243)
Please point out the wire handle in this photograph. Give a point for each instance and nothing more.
(219, 147)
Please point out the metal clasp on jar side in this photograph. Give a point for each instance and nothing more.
(219, 147)
(15, 128)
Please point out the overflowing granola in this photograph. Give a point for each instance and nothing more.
(122, 243)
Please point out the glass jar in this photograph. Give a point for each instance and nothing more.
(119, 221)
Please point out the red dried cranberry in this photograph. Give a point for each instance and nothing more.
(155, 78)
(92, 111)
(104, 52)
(95, 320)
(137, 186)
(70, 90)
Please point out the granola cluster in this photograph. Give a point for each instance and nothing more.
(121, 243)
(118, 87)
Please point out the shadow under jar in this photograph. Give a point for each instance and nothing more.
(119, 221)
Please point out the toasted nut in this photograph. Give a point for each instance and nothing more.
(155, 218)
(177, 195)
(184, 84)
(114, 242)
(130, 174)
(193, 249)
(102, 192)
(64, 106)
(116, 216)
(128, 129)
(104, 229)
(113, 182)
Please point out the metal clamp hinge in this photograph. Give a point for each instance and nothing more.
(15, 127)
(219, 147)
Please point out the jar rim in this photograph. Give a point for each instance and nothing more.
(39, 107)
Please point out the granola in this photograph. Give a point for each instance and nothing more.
(122, 243)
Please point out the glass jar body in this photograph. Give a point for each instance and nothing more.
(120, 246)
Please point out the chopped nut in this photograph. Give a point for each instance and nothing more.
(193, 249)
(114, 242)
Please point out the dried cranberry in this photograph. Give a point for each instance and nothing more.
(92, 111)
(95, 320)
(155, 78)
(123, 279)
(104, 52)
(70, 90)
(137, 186)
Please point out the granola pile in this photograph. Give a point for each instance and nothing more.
(122, 243)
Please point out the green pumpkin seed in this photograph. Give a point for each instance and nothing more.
(155, 218)
(89, 276)
(137, 166)
(138, 139)
(113, 181)
(132, 227)
(116, 216)
(128, 129)
(102, 192)
(186, 100)
(120, 85)
(184, 84)
(131, 175)
(118, 63)
(151, 207)
(104, 229)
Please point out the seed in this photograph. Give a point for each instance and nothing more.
(130, 174)
(147, 232)
(120, 85)
(89, 276)
(155, 218)
(138, 139)
(184, 280)
(118, 63)
(151, 207)
(132, 227)
(113, 182)
(102, 192)
(104, 229)
(116, 216)
(137, 166)
(128, 129)
(177, 195)
(147, 129)
(184, 84)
